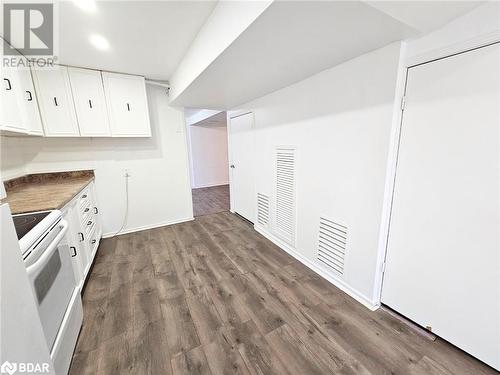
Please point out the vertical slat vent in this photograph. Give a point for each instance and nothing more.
(285, 194)
(262, 209)
(332, 244)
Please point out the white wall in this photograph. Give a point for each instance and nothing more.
(159, 187)
(12, 162)
(209, 155)
(340, 121)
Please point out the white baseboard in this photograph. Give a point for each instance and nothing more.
(333, 279)
(146, 227)
(210, 185)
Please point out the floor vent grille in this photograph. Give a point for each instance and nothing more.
(262, 209)
(332, 244)
(285, 194)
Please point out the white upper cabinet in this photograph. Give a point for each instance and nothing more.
(10, 112)
(56, 102)
(127, 105)
(90, 103)
(28, 103)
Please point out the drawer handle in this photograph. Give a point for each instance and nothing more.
(86, 210)
(9, 87)
(84, 196)
(82, 238)
(94, 241)
(74, 251)
(96, 211)
(55, 101)
(30, 97)
(90, 222)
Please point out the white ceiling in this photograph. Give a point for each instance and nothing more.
(146, 37)
(425, 16)
(293, 40)
(218, 120)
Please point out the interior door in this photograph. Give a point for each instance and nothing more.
(443, 255)
(242, 166)
(90, 104)
(56, 102)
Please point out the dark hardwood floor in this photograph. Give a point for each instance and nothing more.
(212, 296)
(210, 200)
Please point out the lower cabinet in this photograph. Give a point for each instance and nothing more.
(84, 232)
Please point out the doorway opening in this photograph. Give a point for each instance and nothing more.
(208, 156)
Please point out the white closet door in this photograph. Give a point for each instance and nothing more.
(127, 104)
(56, 102)
(242, 166)
(90, 104)
(443, 260)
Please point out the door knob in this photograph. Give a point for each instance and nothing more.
(232, 166)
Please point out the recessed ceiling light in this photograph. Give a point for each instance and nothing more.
(86, 5)
(99, 42)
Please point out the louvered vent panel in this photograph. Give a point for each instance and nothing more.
(285, 194)
(332, 244)
(262, 209)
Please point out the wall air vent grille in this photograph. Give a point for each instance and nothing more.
(285, 194)
(262, 209)
(332, 244)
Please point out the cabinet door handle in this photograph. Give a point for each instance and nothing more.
(84, 196)
(90, 104)
(82, 238)
(9, 86)
(89, 222)
(55, 101)
(74, 251)
(94, 241)
(128, 107)
(30, 97)
(86, 210)
(96, 211)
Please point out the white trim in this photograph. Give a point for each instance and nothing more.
(211, 185)
(390, 176)
(146, 227)
(453, 49)
(341, 284)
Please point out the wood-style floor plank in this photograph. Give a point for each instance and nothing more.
(214, 297)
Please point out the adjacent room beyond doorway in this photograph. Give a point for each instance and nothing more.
(207, 135)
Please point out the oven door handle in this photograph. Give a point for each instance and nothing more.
(40, 262)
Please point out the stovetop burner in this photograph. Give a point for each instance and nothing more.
(25, 222)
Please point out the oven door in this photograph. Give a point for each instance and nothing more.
(52, 279)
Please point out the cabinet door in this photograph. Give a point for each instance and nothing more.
(56, 102)
(75, 243)
(28, 103)
(127, 104)
(90, 104)
(10, 113)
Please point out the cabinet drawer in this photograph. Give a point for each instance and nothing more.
(94, 240)
(84, 201)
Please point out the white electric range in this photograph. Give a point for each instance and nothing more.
(47, 258)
